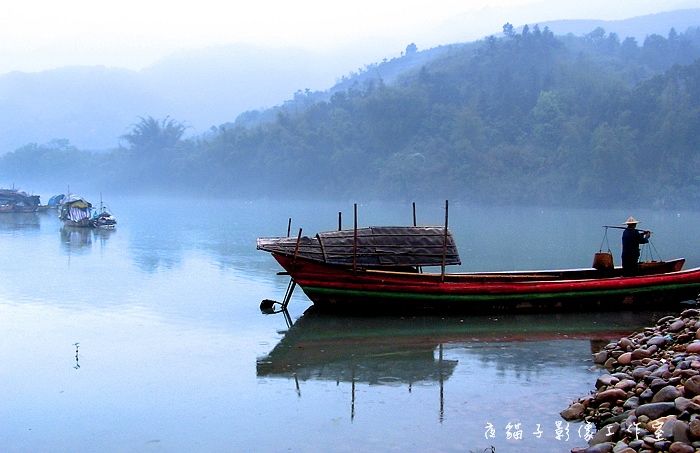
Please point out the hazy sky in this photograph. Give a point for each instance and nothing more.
(44, 34)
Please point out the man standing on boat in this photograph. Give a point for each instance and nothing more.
(632, 238)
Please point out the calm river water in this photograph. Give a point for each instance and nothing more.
(150, 337)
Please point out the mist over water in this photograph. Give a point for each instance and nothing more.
(149, 337)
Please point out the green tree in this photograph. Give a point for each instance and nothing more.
(612, 171)
(151, 134)
(548, 118)
(657, 52)
(508, 29)
(629, 50)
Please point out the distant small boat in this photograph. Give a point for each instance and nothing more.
(103, 218)
(75, 211)
(12, 200)
(379, 270)
(56, 201)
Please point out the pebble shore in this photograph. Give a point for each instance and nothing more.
(649, 399)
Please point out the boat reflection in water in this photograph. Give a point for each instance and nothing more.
(14, 221)
(74, 239)
(415, 351)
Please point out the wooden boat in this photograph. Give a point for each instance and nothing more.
(376, 270)
(75, 211)
(12, 200)
(103, 219)
(55, 202)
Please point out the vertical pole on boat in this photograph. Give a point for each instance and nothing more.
(354, 241)
(420, 268)
(289, 226)
(296, 249)
(444, 242)
(288, 294)
(340, 221)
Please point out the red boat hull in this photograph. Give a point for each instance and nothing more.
(342, 289)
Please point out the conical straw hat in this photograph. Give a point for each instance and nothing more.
(631, 221)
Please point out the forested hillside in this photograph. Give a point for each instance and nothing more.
(530, 118)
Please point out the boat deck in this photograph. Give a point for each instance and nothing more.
(649, 268)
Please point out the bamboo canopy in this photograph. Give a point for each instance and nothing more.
(372, 247)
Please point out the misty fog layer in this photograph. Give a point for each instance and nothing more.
(93, 106)
(528, 118)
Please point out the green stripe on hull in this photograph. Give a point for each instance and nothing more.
(331, 293)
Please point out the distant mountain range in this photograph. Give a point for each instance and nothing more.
(637, 27)
(93, 106)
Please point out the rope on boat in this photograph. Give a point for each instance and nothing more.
(605, 240)
(648, 251)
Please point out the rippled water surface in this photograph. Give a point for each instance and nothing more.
(150, 337)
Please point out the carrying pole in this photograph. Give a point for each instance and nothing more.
(354, 242)
(624, 228)
(444, 242)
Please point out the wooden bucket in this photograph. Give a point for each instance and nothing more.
(603, 260)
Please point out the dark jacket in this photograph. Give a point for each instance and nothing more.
(631, 240)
